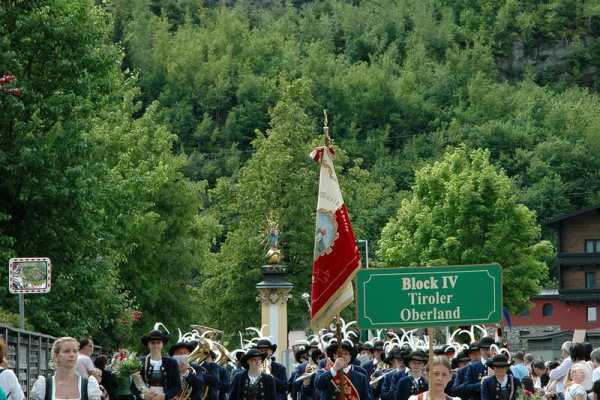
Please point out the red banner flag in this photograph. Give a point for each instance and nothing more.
(336, 256)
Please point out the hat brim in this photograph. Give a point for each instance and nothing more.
(244, 359)
(332, 351)
(148, 338)
(272, 347)
(176, 346)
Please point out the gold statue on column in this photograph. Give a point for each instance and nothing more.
(274, 255)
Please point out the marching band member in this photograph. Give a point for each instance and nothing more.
(458, 388)
(382, 370)
(458, 363)
(189, 377)
(477, 370)
(301, 357)
(305, 389)
(160, 374)
(211, 376)
(224, 383)
(252, 383)
(397, 355)
(356, 384)
(501, 385)
(414, 383)
(371, 365)
(276, 370)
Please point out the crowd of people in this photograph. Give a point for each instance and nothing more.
(324, 370)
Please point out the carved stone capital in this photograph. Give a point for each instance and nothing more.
(273, 296)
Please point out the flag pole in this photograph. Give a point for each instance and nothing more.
(326, 130)
(338, 334)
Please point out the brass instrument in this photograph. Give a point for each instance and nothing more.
(224, 357)
(201, 352)
(375, 380)
(266, 366)
(198, 355)
(380, 368)
(186, 388)
(310, 370)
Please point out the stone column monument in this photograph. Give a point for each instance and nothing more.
(273, 294)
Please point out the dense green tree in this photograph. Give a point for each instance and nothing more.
(463, 210)
(279, 180)
(90, 180)
(61, 53)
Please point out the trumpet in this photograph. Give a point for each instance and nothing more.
(375, 380)
(310, 370)
(379, 373)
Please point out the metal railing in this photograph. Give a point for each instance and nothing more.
(28, 354)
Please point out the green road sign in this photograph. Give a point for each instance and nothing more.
(429, 296)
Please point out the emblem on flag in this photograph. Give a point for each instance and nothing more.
(327, 232)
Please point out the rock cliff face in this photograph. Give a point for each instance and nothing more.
(550, 60)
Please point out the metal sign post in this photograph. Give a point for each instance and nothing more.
(21, 311)
(28, 275)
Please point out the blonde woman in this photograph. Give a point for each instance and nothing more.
(440, 376)
(9, 383)
(65, 384)
(574, 390)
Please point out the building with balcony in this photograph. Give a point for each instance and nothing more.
(576, 302)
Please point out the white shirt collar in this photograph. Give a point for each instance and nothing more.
(504, 381)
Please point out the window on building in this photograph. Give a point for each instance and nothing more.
(524, 313)
(592, 246)
(547, 310)
(590, 280)
(591, 314)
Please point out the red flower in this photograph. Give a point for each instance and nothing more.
(527, 393)
(6, 78)
(136, 315)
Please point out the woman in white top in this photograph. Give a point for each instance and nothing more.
(439, 377)
(8, 380)
(65, 384)
(574, 390)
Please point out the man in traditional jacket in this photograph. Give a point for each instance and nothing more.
(414, 383)
(477, 370)
(253, 383)
(343, 375)
(397, 357)
(501, 385)
(277, 370)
